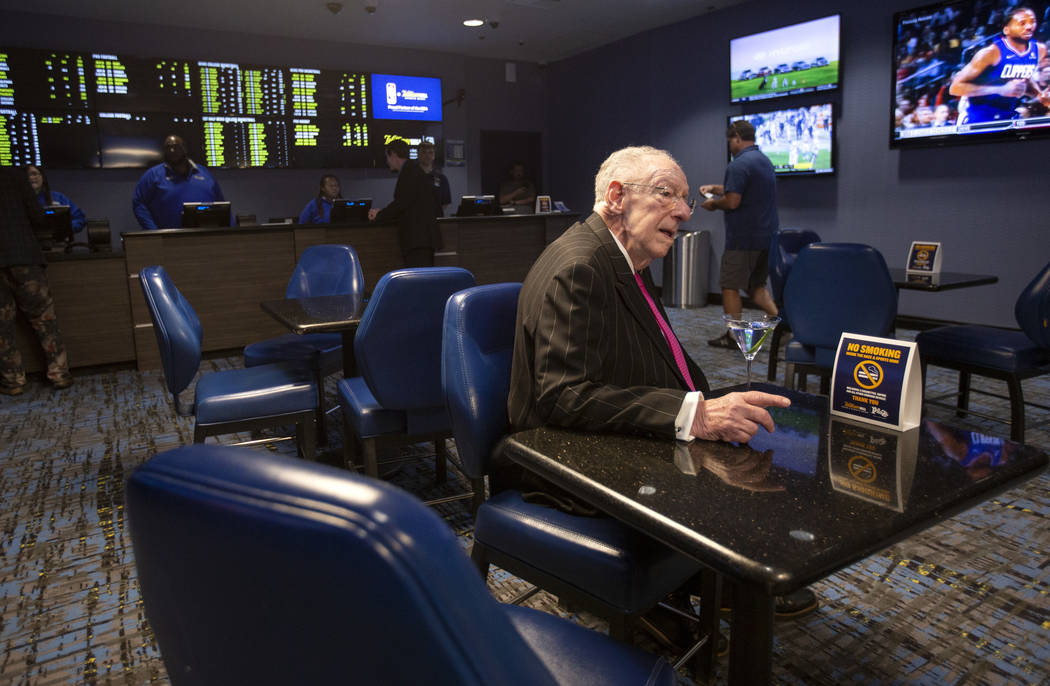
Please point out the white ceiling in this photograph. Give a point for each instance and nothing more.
(518, 30)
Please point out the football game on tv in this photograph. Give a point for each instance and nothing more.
(798, 141)
(969, 71)
(801, 58)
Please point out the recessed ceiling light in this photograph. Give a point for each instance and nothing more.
(473, 23)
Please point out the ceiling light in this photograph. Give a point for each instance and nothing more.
(473, 23)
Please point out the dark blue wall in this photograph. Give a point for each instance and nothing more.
(669, 87)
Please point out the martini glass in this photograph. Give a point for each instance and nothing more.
(750, 332)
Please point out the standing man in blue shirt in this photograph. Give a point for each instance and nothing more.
(749, 199)
(162, 189)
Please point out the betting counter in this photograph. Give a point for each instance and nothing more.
(225, 274)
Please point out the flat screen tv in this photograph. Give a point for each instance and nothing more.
(406, 97)
(799, 141)
(477, 206)
(970, 71)
(59, 223)
(205, 214)
(801, 58)
(344, 211)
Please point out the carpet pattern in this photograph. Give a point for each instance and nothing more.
(966, 602)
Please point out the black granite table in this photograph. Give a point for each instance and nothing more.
(323, 313)
(788, 508)
(942, 281)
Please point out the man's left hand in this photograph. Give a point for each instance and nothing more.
(736, 416)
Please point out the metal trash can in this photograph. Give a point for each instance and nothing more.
(685, 270)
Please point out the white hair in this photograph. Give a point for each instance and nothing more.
(626, 165)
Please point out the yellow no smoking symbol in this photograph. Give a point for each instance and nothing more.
(862, 469)
(868, 374)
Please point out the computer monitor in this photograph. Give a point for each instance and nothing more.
(347, 211)
(477, 206)
(205, 214)
(59, 224)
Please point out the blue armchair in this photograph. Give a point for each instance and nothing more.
(258, 569)
(595, 562)
(1011, 356)
(398, 351)
(231, 400)
(783, 249)
(835, 287)
(321, 270)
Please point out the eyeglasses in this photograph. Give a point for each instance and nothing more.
(667, 196)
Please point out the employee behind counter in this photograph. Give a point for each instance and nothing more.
(163, 189)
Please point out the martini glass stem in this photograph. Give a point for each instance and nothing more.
(749, 373)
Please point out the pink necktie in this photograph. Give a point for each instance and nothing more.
(672, 342)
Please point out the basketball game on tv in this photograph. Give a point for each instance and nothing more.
(797, 141)
(801, 58)
(970, 71)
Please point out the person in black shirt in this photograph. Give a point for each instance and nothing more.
(413, 208)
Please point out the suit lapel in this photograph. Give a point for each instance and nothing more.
(631, 296)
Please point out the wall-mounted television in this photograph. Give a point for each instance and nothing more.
(970, 70)
(799, 141)
(406, 97)
(801, 58)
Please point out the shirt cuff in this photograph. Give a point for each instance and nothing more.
(683, 423)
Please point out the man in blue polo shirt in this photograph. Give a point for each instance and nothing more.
(749, 199)
(162, 189)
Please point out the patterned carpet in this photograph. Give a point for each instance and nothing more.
(963, 603)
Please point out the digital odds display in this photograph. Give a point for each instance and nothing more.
(69, 110)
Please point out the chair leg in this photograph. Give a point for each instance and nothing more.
(963, 401)
(789, 374)
(618, 627)
(198, 434)
(322, 418)
(825, 385)
(1016, 409)
(306, 437)
(440, 460)
(480, 557)
(368, 449)
(478, 488)
(774, 348)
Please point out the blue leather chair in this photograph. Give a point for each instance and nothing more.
(258, 569)
(1011, 356)
(321, 270)
(398, 351)
(835, 287)
(595, 562)
(783, 249)
(233, 399)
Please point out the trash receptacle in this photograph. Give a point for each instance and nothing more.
(685, 270)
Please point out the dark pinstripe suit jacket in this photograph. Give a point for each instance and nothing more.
(588, 353)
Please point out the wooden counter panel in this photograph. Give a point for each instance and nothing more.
(93, 312)
(224, 276)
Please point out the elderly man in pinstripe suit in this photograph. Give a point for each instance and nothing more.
(592, 348)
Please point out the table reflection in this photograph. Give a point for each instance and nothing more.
(873, 464)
